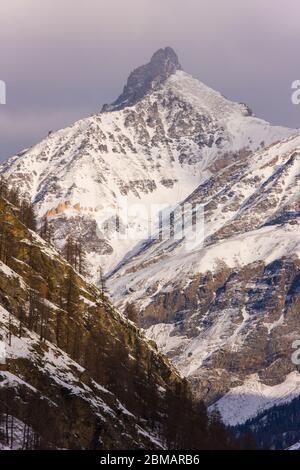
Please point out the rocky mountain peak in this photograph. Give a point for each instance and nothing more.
(166, 59)
(163, 63)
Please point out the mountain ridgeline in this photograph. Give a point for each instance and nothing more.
(166, 134)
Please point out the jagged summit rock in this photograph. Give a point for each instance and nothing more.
(163, 63)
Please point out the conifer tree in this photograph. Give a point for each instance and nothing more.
(46, 230)
(131, 312)
(102, 282)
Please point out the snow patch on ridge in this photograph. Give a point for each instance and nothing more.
(253, 397)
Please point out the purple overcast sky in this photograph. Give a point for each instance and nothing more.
(62, 59)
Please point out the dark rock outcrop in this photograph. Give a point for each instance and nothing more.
(163, 63)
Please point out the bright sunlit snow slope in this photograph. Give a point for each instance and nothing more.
(251, 213)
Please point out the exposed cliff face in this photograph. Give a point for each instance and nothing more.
(225, 326)
(74, 372)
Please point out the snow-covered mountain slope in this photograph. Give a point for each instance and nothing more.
(275, 423)
(251, 211)
(295, 446)
(166, 134)
(253, 397)
(225, 306)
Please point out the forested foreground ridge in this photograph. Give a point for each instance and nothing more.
(74, 372)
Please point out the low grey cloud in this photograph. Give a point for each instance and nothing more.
(61, 60)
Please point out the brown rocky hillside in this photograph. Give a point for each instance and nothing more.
(74, 373)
